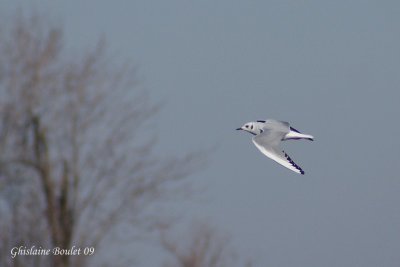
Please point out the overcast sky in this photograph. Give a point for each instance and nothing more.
(330, 68)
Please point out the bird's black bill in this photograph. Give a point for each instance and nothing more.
(239, 129)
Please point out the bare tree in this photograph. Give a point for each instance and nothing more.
(76, 160)
(202, 247)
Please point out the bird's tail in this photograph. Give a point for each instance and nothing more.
(292, 135)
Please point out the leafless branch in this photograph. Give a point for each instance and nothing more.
(73, 145)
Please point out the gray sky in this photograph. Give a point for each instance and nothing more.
(331, 68)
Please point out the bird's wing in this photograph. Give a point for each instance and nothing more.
(267, 142)
(276, 125)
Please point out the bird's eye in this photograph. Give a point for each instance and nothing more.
(247, 126)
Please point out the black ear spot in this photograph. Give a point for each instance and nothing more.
(252, 127)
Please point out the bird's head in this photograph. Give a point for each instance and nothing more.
(251, 127)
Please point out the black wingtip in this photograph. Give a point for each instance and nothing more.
(294, 164)
(293, 129)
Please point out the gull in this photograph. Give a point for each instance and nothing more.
(268, 134)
